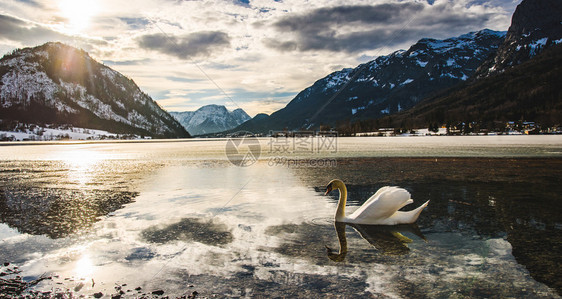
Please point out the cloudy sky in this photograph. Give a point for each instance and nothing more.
(252, 54)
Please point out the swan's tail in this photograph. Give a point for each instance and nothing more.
(410, 216)
(416, 212)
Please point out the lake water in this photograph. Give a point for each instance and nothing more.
(181, 217)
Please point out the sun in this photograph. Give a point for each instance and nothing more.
(78, 13)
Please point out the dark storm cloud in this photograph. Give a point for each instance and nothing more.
(446, 21)
(323, 18)
(375, 26)
(202, 43)
(283, 46)
(317, 30)
(352, 42)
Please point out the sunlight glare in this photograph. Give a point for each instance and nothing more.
(84, 266)
(82, 164)
(78, 13)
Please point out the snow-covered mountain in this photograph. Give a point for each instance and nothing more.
(536, 25)
(58, 84)
(521, 81)
(210, 119)
(387, 84)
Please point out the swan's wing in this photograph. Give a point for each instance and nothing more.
(377, 194)
(383, 204)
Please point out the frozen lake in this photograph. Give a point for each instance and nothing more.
(178, 216)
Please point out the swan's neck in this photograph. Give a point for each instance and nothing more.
(340, 212)
(340, 230)
(339, 257)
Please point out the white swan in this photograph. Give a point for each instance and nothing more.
(382, 208)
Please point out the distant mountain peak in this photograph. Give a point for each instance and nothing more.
(210, 119)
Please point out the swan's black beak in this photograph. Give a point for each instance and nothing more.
(328, 189)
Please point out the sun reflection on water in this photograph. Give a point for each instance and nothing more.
(82, 164)
(84, 266)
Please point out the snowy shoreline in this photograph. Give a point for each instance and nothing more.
(61, 133)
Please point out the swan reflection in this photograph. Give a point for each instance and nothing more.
(389, 240)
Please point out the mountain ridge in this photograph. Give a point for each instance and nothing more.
(59, 84)
(210, 119)
(519, 83)
(535, 26)
(386, 85)
(527, 92)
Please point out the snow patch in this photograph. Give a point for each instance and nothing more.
(449, 75)
(407, 81)
(357, 109)
(337, 79)
(89, 102)
(57, 133)
(23, 84)
(537, 45)
(108, 73)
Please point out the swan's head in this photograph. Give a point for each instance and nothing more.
(334, 184)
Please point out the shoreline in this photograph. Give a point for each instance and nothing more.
(199, 139)
(16, 286)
